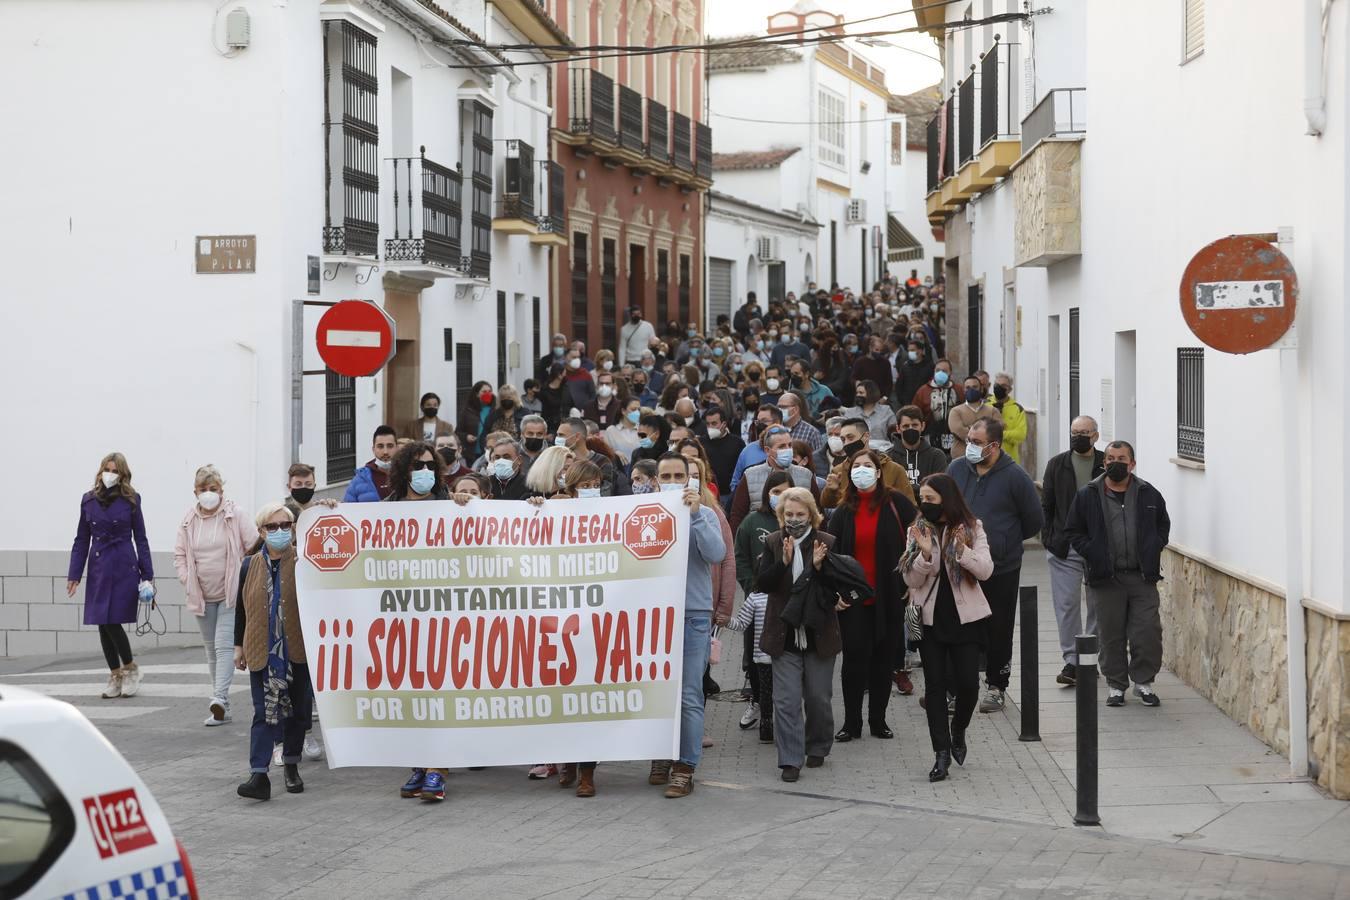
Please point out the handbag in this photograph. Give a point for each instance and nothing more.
(914, 617)
(715, 652)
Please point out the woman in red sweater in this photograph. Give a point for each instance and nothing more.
(870, 525)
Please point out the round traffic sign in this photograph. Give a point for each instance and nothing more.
(356, 337)
(1239, 294)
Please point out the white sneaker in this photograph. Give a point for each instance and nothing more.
(114, 688)
(750, 717)
(212, 721)
(992, 701)
(313, 749)
(276, 755)
(131, 679)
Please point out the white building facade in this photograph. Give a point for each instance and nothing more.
(911, 241)
(1067, 234)
(364, 152)
(829, 102)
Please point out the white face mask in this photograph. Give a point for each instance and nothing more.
(574, 363)
(605, 390)
(208, 499)
(836, 444)
(688, 420)
(383, 463)
(671, 487)
(714, 433)
(110, 479)
(588, 493)
(608, 364)
(772, 384)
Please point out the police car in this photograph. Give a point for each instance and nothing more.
(75, 819)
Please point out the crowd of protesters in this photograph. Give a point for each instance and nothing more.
(862, 499)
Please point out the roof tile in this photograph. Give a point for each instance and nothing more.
(752, 159)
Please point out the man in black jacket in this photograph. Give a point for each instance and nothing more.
(912, 450)
(1119, 525)
(1065, 475)
(723, 444)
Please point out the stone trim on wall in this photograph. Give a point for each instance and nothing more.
(36, 616)
(1224, 635)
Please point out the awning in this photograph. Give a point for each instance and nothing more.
(900, 244)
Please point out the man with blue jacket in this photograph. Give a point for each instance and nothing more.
(1119, 525)
(1003, 497)
(371, 481)
(706, 549)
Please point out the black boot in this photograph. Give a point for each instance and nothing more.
(959, 747)
(293, 783)
(258, 787)
(941, 764)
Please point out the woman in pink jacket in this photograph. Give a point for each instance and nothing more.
(946, 557)
(211, 543)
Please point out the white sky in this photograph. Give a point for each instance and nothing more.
(906, 71)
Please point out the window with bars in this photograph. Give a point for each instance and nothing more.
(685, 267)
(351, 163)
(662, 287)
(478, 150)
(1192, 29)
(1191, 403)
(830, 128)
(535, 326)
(609, 310)
(581, 275)
(340, 425)
(463, 375)
(1075, 364)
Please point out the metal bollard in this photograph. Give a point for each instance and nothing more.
(1087, 731)
(1031, 688)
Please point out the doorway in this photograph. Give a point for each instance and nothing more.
(1054, 435)
(637, 280)
(403, 376)
(1125, 387)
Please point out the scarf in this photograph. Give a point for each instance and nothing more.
(950, 538)
(942, 399)
(277, 688)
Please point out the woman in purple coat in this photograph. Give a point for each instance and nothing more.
(111, 523)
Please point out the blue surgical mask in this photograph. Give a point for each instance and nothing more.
(759, 345)
(560, 441)
(974, 454)
(693, 351)
(670, 487)
(559, 351)
(646, 443)
(786, 339)
(718, 351)
(588, 493)
(279, 540)
(773, 501)
(863, 477)
(783, 457)
(503, 468)
(940, 378)
(423, 480)
(736, 367)
(692, 332)
(634, 416)
(914, 356)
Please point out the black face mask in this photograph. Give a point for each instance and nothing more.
(1000, 392)
(931, 511)
(430, 411)
(853, 447)
(1080, 443)
(534, 445)
(449, 454)
(635, 319)
(1117, 471)
(911, 435)
(507, 404)
(302, 495)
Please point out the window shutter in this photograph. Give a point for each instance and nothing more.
(1193, 29)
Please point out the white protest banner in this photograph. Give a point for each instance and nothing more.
(495, 633)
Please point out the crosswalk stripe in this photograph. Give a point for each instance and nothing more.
(148, 689)
(154, 669)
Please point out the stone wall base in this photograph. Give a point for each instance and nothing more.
(1226, 637)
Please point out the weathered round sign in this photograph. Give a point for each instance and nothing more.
(1239, 294)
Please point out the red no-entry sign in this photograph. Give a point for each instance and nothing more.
(1239, 294)
(356, 338)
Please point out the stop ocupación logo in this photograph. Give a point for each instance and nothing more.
(649, 531)
(331, 543)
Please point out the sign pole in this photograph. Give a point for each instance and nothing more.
(1295, 625)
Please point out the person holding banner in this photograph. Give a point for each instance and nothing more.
(801, 633)
(268, 643)
(706, 549)
(417, 474)
(545, 475)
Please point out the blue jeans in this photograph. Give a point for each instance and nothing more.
(261, 737)
(697, 647)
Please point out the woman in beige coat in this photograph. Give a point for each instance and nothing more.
(946, 556)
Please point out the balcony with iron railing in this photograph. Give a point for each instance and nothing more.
(1047, 223)
(632, 143)
(703, 153)
(514, 212)
(999, 125)
(427, 217)
(1062, 114)
(592, 108)
(680, 135)
(552, 217)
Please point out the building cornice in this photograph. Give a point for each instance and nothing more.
(853, 76)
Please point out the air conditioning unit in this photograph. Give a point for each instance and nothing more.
(767, 249)
(857, 211)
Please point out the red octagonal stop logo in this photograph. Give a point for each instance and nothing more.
(331, 543)
(649, 531)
